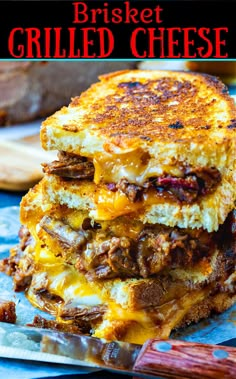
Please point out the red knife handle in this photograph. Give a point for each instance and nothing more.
(185, 360)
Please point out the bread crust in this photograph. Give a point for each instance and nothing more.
(164, 112)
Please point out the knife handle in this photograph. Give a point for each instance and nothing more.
(185, 360)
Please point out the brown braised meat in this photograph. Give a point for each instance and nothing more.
(100, 254)
(71, 241)
(82, 313)
(155, 249)
(70, 166)
(22, 275)
(108, 259)
(174, 248)
(7, 311)
(195, 182)
(132, 191)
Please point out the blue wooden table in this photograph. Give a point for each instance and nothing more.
(8, 199)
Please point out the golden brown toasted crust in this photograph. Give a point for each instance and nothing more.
(153, 292)
(138, 105)
(217, 303)
(141, 107)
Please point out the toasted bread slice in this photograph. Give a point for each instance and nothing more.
(174, 117)
(162, 111)
(177, 315)
(101, 204)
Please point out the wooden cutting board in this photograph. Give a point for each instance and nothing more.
(20, 163)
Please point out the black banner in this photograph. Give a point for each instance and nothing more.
(117, 30)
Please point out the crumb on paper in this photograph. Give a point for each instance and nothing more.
(41, 322)
(7, 311)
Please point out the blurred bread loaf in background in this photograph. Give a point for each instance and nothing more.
(225, 70)
(31, 90)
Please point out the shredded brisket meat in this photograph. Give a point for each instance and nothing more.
(22, 274)
(108, 259)
(70, 166)
(174, 248)
(155, 249)
(71, 241)
(132, 191)
(195, 181)
(207, 177)
(100, 254)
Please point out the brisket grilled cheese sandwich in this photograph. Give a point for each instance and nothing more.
(159, 143)
(131, 232)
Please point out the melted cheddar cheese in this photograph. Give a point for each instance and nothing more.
(136, 325)
(120, 321)
(110, 205)
(137, 166)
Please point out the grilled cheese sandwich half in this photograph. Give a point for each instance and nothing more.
(159, 142)
(120, 307)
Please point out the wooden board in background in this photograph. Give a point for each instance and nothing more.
(20, 163)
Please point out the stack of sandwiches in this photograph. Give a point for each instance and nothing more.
(131, 232)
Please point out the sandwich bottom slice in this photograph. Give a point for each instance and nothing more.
(83, 273)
